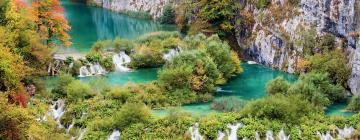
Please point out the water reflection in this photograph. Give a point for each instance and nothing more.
(90, 24)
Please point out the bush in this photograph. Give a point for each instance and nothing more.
(59, 89)
(131, 113)
(146, 57)
(94, 57)
(287, 109)
(168, 15)
(228, 104)
(189, 72)
(278, 85)
(123, 45)
(262, 3)
(318, 89)
(334, 63)
(107, 63)
(227, 61)
(354, 104)
(77, 90)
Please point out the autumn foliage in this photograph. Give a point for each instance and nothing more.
(50, 20)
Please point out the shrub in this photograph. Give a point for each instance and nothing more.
(288, 109)
(334, 63)
(318, 89)
(190, 71)
(131, 113)
(94, 57)
(59, 90)
(278, 85)
(168, 15)
(262, 3)
(228, 104)
(107, 63)
(123, 45)
(354, 104)
(77, 90)
(227, 61)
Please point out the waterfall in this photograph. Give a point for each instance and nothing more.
(282, 135)
(70, 126)
(115, 135)
(269, 135)
(233, 130)
(57, 110)
(345, 133)
(171, 54)
(94, 69)
(120, 60)
(325, 136)
(81, 134)
(84, 71)
(257, 136)
(220, 135)
(194, 132)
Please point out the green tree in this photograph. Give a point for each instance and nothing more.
(318, 89)
(168, 16)
(132, 113)
(354, 104)
(76, 90)
(288, 109)
(278, 85)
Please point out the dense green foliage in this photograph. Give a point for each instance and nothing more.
(228, 104)
(189, 77)
(168, 16)
(354, 104)
(278, 85)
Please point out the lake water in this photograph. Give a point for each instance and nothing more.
(90, 24)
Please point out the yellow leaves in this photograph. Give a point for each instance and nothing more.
(12, 69)
(303, 65)
(235, 58)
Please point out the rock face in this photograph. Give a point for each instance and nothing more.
(153, 7)
(354, 81)
(270, 34)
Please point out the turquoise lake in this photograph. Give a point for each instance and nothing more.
(90, 24)
(99, 24)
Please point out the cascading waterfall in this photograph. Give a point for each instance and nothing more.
(115, 135)
(70, 126)
(82, 134)
(120, 60)
(194, 132)
(233, 130)
(325, 136)
(57, 110)
(282, 135)
(171, 54)
(257, 136)
(269, 135)
(220, 135)
(345, 133)
(94, 69)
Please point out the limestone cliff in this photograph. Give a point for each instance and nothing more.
(276, 28)
(153, 7)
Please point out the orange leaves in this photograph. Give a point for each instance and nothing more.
(49, 13)
(303, 65)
